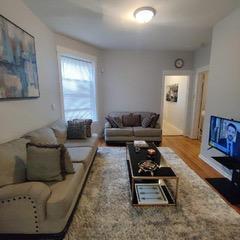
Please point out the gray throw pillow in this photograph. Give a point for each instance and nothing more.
(131, 120)
(147, 121)
(154, 120)
(45, 162)
(110, 120)
(118, 122)
(76, 130)
(87, 123)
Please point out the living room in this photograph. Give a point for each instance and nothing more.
(128, 62)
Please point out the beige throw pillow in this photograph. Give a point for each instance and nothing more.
(60, 129)
(42, 136)
(13, 158)
(45, 163)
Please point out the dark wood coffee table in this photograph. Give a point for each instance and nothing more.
(163, 176)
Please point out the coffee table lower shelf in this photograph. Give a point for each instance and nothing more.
(171, 198)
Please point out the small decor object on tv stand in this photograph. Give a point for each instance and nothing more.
(18, 66)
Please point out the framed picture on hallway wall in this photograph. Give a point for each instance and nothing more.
(18, 66)
(172, 93)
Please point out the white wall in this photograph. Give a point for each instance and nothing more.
(18, 117)
(201, 57)
(175, 112)
(132, 79)
(86, 49)
(224, 79)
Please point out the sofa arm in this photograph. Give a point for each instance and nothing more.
(157, 125)
(107, 125)
(23, 207)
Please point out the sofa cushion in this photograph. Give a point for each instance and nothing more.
(45, 162)
(126, 131)
(62, 193)
(60, 129)
(131, 120)
(12, 162)
(147, 132)
(89, 142)
(42, 136)
(81, 154)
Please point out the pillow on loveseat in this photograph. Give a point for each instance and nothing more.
(45, 162)
(131, 120)
(115, 122)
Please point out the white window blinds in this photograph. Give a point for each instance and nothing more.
(78, 84)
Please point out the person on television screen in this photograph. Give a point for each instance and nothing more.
(230, 142)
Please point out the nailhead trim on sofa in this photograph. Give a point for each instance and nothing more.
(33, 206)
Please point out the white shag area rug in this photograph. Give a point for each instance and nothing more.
(105, 211)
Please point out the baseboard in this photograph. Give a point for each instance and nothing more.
(211, 162)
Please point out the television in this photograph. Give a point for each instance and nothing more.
(224, 135)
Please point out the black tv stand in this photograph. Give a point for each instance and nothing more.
(229, 189)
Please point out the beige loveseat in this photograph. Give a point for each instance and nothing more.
(40, 207)
(126, 134)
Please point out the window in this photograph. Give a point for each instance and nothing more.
(78, 85)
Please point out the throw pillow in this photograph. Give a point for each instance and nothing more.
(147, 121)
(45, 162)
(60, 130)
(154, 120)
(87, 123)
(118, 122)
(68, 165)
(13, 158)
(110, 120)
(42, 136)
(131, 120)
(76, 130)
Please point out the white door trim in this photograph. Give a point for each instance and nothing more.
(175, 73)
(196, 101)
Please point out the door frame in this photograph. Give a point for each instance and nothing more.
(197, 101)
(177, 73)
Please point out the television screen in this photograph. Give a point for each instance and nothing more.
(225, 135)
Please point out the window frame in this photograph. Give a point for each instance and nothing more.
(65, 52)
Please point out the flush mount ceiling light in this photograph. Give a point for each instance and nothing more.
(144, 14)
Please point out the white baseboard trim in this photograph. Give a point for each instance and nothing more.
(217, 166)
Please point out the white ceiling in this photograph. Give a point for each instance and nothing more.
(109, 24)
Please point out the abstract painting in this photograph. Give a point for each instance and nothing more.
(18, 66)
(172, 93)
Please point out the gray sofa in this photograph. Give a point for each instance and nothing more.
(126, 134)
(41, 207)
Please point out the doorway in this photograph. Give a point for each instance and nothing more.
(175, 104)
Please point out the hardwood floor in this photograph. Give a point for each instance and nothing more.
(188, 150)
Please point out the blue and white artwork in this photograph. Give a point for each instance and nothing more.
(18, 66)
